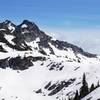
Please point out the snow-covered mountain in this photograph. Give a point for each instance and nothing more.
(33, 65)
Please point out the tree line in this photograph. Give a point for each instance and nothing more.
(84, 90)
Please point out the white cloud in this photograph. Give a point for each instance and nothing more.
(88, 39)
(92, 45)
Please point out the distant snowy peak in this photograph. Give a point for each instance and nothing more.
(24, 37)
(29, 25)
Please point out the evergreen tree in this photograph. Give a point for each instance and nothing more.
(76, 96)
(84, 89)
(98, 84)
(92, 88)
(69, 98)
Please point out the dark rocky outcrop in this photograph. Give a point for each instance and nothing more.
(58, 87)
(19, 63)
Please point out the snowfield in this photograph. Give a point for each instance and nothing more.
(21, 85)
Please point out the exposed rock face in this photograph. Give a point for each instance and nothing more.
(18, 63)
(28, 32)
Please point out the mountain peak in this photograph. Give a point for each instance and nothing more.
(28, 32)
(7, 21)
(29, 24)
(27, 21)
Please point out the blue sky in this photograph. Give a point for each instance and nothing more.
(77, 21)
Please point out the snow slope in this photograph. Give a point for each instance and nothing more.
(95, 95)
(22, 85)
